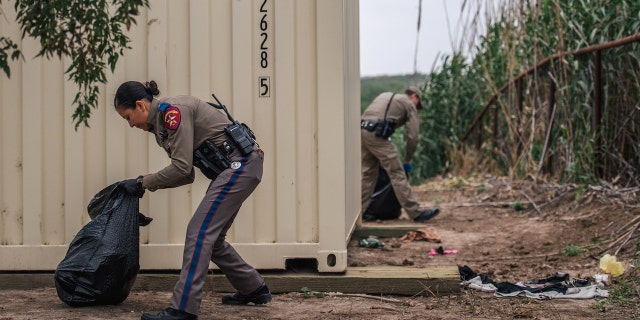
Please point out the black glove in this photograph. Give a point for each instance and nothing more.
(134, 187)
(143, 220)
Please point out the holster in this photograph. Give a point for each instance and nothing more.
(242, 137)
(211, 159)
(385, 128)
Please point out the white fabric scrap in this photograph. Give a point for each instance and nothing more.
(587, 292)
(476, 283)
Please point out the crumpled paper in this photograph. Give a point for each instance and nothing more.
(609, 264)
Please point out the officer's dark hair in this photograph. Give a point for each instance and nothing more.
(131, 91)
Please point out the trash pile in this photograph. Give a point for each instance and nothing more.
(557, 286)
(423, 234)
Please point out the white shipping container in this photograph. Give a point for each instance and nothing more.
(287, 68)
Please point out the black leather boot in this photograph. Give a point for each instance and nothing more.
(259, 296)
(426, 215)
(169, 314)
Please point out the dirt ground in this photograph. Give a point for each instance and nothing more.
(508, 230)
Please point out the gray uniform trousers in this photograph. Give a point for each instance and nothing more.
(206, 232)
(379, 151)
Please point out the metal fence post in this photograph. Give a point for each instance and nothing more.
(597, 114)
(552, 103)
(479, 135)
(519, 102)
(494, 127)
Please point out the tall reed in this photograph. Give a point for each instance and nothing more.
(535, 138)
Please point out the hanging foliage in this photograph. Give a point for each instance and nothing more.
(91, 33)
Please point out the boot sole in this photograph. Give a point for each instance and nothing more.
(262, 299)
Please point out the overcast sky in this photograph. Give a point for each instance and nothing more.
(388, 31)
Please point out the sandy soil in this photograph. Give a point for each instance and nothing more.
(479, 220)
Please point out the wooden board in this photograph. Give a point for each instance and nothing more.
(405, 281)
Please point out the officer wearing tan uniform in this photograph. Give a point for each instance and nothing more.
(386, 113)
(182, 125)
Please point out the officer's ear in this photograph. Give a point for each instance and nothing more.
(141, 104)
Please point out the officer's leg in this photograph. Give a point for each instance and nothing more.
(387, 153)
(217, 210)
(369, 173)
(242, 276)
(202, 229)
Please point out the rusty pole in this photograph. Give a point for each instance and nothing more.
(552, 103)
(519, 102)
(495, 124)
(479, 135)
(597, 113)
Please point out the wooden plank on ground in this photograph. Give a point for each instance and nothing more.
(405, 281)
(26, 281)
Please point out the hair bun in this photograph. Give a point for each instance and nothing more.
(152, 87)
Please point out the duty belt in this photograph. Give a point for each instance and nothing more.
(228, 146)
(368, 125)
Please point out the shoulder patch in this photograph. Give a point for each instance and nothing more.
(163, 106)
(172, 118)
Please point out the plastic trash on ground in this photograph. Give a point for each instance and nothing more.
(441, 250)
(371, 242)
(609, 264)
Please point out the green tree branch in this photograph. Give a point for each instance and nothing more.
(89, 32)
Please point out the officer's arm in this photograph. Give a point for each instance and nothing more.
(412, 127)
(180, 171)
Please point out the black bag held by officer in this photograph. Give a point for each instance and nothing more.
(212, 159)
(384, 203)
(102, 262)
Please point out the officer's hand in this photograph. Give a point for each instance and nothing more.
(134, 187)
(407, 167)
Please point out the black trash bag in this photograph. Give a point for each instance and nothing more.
(102, 262)
(100, 203)
(384, 204)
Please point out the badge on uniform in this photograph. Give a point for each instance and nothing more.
(235, 165)
(172, 118)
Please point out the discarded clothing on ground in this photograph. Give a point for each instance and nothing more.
(370, 242)
(558, 286)
(588, 292)
(423, 234)
(102, 261)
